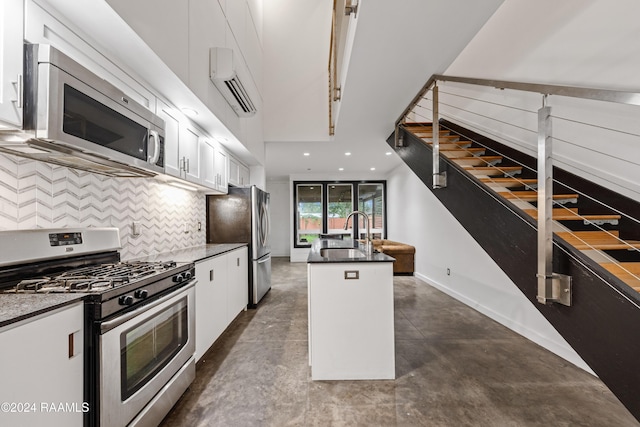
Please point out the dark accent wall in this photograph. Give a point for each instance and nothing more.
(600, 325)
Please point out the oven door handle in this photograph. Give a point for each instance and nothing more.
(110, 324)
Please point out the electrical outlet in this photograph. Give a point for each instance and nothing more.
(199, 226)
(448, 271)
(136, 228)
(185, 228)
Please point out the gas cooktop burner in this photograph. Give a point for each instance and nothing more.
(96, 278)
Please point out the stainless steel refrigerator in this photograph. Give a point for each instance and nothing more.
(242, 216)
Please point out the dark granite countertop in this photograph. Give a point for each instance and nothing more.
(318, 245)
(194, 254)
(16, 307)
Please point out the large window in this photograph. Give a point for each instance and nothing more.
(323, 207)
(340, 204)
(371, 201)
(309, 213)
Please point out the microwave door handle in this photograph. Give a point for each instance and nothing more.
(153, 159)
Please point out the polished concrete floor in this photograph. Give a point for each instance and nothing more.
(454, 367)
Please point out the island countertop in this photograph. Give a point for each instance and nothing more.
(318, 245)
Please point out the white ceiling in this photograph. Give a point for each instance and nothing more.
(397, 47)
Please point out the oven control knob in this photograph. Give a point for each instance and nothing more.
(126, 300)
(187, 275)
(141, 293)
(178, 278)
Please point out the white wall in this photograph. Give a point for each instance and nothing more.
(296, 52)
(415, 216)
(577, 43)
(280, 204)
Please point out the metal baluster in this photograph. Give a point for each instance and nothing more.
(552, 287)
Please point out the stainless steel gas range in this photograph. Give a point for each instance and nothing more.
(139, 317)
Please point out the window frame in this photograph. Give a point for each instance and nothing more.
(325, 203)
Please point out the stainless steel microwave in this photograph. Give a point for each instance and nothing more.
(76, 119)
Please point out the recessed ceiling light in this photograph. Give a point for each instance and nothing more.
(388, 153)
(373, 169)
(306, 154)
(340, 169)
(347, 153)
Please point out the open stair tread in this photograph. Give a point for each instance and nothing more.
(529, 195)
(628, 272)
(458, 145)
(510, 182)
(561, 214)
(492, 170)
(462, 152)
(477, 161)
(601, 240)
(443, 138)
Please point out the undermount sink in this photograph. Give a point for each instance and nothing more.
(341, 253)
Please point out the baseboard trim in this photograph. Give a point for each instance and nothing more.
(560, 349)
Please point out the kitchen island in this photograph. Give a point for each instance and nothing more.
(351, 315)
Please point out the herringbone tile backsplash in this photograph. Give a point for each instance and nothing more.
(39, 195)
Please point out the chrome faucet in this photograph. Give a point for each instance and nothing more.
(368, 249)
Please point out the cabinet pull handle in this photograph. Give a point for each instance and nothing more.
(71, 345)
(181, 164)
(19, 91)
(211, 275)
(187, 166)
(238, 262)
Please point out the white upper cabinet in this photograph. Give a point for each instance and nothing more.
(11, 37)
(189, 153)
(221, 167)
(207, 159)
(181, 145)
(238, 173)
(164, 26)
(213, 163)
(171, 139)
(243, 175)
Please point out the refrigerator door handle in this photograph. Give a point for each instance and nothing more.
(264, 224)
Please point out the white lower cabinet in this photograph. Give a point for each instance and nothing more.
(41, 366)
(221, 293)
(238, 296)
(211, 302)
(351, 321)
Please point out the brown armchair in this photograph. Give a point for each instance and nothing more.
(404, 255)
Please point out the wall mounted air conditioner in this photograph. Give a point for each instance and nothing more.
(222, 72)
